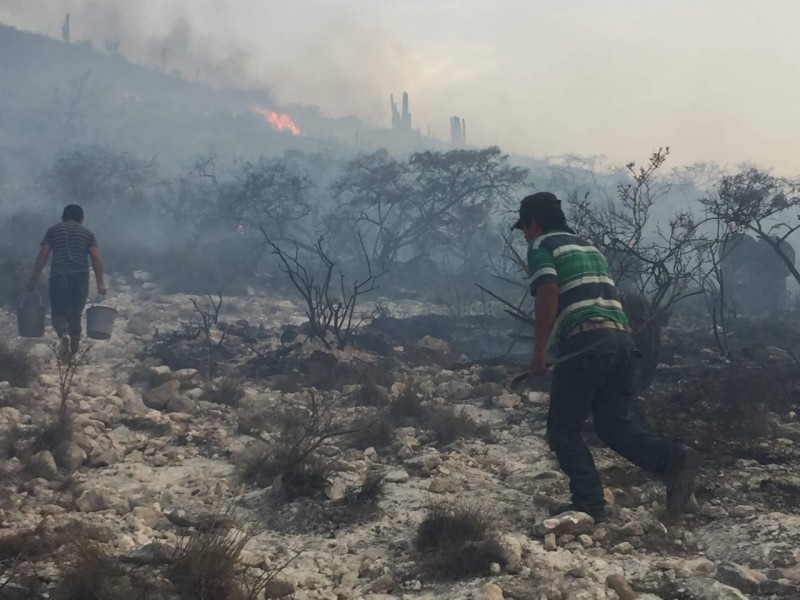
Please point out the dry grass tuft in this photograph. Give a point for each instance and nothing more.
(368, 492)
(407, 408)
(449, 424)
(205, 566)
(457, 542)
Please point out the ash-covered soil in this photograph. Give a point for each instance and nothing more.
(324, 462)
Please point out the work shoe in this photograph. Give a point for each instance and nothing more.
(558, 509)
(679, 480)
(63, 352)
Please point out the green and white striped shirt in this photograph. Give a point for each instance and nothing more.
(586, 290)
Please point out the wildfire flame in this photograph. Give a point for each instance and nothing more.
(278, 121)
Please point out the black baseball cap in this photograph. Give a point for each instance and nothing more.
(536, 205)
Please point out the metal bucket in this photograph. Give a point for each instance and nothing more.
(31, 316)
(100, 322)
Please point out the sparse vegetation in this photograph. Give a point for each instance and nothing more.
(206, 564)
(457, 542)
(368, 492)
(449, 424)
(16, 366)
(294, 456)
(224, 390)
(93, 573)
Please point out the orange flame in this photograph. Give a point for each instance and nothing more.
(278, 121)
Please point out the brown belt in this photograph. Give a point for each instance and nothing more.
(592, 325)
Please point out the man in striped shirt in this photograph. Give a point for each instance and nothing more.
(577, 306)
(70, 244)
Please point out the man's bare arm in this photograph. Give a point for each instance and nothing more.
(39, 265)
(545, 309)
(97, 265)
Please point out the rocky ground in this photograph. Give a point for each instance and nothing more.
(156, 457)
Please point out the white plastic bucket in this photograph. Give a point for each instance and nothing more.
(100, 322)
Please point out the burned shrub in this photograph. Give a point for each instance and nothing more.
(205, 566)
(372, 431)
(457, 542)
(407, 408)
(293, 458)
(16, 366)
(493, 375)
(368, 492)
(449, 424)
(370, 394)
(720, 406)
(93, 573)
(224, 390)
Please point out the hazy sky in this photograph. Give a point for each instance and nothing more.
(714, 79)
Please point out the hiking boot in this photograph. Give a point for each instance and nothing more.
(75, 344)
(63, 352)
(679, 480)
(558, 509)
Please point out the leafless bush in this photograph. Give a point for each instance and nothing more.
(330, 308)
(407, 408)
(294, 456)
(373, 430)
(93, 573)
(16, 366)
(457, 542)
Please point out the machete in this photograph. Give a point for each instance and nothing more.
(563, 358)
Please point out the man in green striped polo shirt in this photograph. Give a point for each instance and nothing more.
(577, 307)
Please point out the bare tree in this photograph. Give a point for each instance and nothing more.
(330, 308)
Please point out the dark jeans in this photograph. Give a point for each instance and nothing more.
(601, 380)
(68, 294)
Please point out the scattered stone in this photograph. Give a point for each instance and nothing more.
(440, 485)
(431, 350)
(139, 324)
(158, 398)
(550, 542)
(569, 523)
(181, 404)
(623, 548)
(740, 577)
(492, 591)
(704, 588)
(506, 400)
(279, 588)
(155, 554)
(93, 500)
(620, 585)
(44, 465)
(398, 476)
